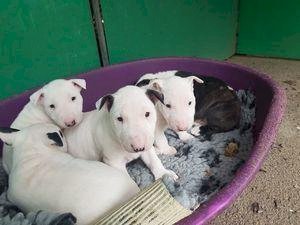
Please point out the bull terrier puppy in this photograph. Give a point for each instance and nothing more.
(59, 102)
(217, 108)
(177, 111)
(119, 131)
(45, 177)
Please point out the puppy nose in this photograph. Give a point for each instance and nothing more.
(137, 149)
(182, 128)
(71, 124)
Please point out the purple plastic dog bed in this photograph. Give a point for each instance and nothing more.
(270, 105)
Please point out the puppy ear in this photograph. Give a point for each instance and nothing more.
(143, 82)
(55, 138)
(7, 135)
(107, 99)
(157, 84)
(37, 97)
(191, 79)
(230, 88)
(155, 96)
(79, 83)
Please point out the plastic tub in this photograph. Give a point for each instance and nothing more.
(270, 105)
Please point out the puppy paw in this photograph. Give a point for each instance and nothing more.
(172, 174)
(195, 131)
(164, 172)
(170, 151)
(184, 136)
(159, 151)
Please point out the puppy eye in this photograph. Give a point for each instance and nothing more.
(73, 98)
(52, 106)
(190, 102)
(168, 106)
(147, 114)
(120, 119)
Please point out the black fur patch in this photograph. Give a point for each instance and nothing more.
(109, 100)
(184, 74)
(143, 83)
(8, 130)
(56, 138)
(155, 95)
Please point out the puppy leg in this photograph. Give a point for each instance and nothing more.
(154, 164)
(184, 135)
(194, 131)
(162, 146)
(196, 128)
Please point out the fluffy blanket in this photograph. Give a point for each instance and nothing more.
(203, 167)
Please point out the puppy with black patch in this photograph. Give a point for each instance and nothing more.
(44, 177)
(218, 108)
(58, 102)
(215, 105)
(119, 131)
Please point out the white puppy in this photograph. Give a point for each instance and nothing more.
(178, 108)
(119, 131)
(45, 177)
(58, 102)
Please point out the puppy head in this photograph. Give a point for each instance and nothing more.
(61, 101)
(133, 116)
(179, 100)
(40, 135)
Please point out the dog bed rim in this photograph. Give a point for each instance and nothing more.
(218, 203)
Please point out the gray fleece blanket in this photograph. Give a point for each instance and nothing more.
(203, 167)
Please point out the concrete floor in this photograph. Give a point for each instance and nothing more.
(276, 187)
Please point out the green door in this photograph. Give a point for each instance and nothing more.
(41, 40)
(269, 28)
(150, 28)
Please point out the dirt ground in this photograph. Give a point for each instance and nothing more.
(273, 197)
